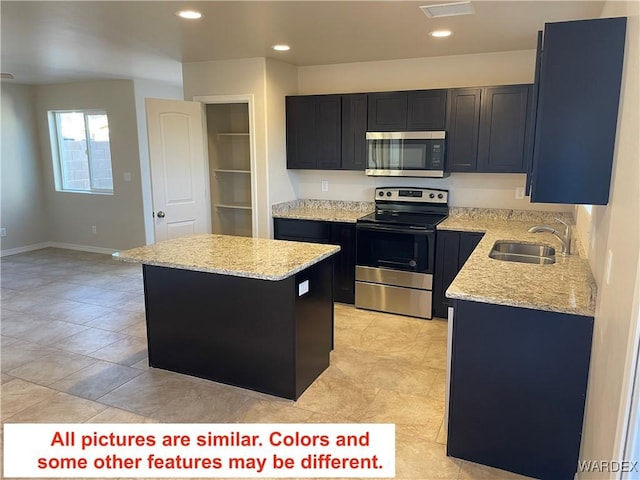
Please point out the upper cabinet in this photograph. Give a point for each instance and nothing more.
(489, 129)
(326, 132)
(354, 129)
(416, 110)
(577, 110)
(314, 131)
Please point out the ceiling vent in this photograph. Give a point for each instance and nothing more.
(448, 9)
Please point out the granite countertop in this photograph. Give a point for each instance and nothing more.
(566, 286)
(323, 210)
(259, 258)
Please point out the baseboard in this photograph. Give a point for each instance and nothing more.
(66, 246)
(26, 248)
(82, 248)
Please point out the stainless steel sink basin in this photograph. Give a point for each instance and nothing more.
(523, 253)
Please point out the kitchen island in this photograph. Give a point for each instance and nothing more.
(250, 312)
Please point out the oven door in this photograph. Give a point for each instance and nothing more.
(410, 249)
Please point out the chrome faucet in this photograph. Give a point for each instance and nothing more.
(564, 238)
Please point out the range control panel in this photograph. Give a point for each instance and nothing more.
(412, 194)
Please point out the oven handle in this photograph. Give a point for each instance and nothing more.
(395, 229)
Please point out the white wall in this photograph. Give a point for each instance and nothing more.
(118, 217)
(23, 211)
(281, 80)
(616, 229)
(149, 89)
(268, 81)
(467, 189)
(239, 77)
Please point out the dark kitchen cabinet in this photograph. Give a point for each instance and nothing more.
(577, 111)
(334, 233)
(452, 251)
(354, 129)
(504, 129)
(518, 382)
(463, 129)
(416, 110)
(489, 129)
(314, 131)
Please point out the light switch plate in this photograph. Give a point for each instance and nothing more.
(325, 185)
(127, 176)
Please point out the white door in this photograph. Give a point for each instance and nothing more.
(179, 178)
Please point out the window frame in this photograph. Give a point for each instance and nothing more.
(55, 133)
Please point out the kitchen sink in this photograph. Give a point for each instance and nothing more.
(523, 253)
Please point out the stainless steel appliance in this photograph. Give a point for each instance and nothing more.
(406, 154)
(395, 250)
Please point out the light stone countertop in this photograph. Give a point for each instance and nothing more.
(259, 258)
(323, 210)
(566, 286)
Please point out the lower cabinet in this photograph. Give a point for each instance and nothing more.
(518, 382)
(334, 233)
(452, 250)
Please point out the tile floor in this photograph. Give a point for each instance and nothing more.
(74, 350)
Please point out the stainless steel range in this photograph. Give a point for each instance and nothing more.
(395, 250)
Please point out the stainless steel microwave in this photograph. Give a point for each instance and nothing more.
(406, 154)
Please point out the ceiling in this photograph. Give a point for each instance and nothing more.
(53, 42)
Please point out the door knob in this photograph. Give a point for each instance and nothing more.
(160, 214)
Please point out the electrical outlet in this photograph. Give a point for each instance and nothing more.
(3, 232)
(127, 176)
(325, 185)
(519, 193)
(94, 229)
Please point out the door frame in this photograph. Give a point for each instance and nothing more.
(242, 98)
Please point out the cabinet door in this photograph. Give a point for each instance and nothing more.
(301, 136)
(447, 251)
(426, 110)
(463, 129)
(578, 111)
(387, 112)
(468, 242)
(354, 129)
(328, 120)
(344, 234)
(503, 129)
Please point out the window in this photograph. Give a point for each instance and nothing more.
(81, 153)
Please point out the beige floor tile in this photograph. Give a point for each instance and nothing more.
(474, 471)
(52, 367)
(116, 415)
(18, 394)
(127, 351)
(90, 340)
(405, 409)
(139, 329)
(16, 353)
(424, 460)
(117, 320)
(436, 356)
(442, 435)
(61, 408)
(271, 412)
(332, 396)
(96, 380)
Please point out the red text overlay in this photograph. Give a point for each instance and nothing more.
(199, 450)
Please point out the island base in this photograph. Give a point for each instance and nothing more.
(267, 336)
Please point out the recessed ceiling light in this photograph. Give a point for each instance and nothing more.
(441, 33)
(448, 9)
(189, 14)
(281, 48)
